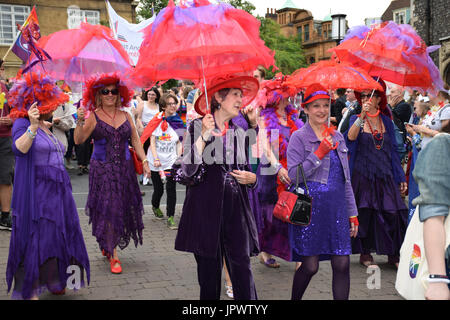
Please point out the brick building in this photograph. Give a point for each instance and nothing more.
(316, 35)
(53, 15)
(430, 18)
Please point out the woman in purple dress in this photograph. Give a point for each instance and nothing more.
(333, 218)
(114, 204)
(216, 220)
(278, 121)
(46, 236)
(377, 180)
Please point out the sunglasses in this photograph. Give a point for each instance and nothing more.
(363, 96)
(114, 92)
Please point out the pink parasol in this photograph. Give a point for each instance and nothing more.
(78, 54)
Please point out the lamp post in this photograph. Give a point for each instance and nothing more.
(338, 27)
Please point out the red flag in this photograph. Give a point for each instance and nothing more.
(29, 34)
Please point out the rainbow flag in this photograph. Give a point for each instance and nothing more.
(29, 32)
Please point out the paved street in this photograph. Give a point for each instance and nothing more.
(156, 271)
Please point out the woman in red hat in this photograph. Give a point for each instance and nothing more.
(323, 155)
(114, 204)
(278, 121)
(377, 179)
(216, 220)
(46, 236)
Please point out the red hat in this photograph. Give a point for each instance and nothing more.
(35, 87)
(99, 81)
(248, 85)
(315, 92)
(274, 90)
(382, 94)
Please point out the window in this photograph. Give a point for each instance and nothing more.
(76, 16)
(306, 32)
(400, 16)
(318, 27)
(10, 16)
(299, 33)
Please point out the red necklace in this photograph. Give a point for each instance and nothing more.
(376, 135)
(112, 118)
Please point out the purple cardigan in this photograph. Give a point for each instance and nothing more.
(301, 149)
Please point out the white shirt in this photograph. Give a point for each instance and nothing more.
(166, 148)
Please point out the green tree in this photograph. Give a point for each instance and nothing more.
(242, 4)
(288, 50)
(146, 8)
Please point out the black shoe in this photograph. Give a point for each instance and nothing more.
(85, 170)
(6, 222)
(80, 171)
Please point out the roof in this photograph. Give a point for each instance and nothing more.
(289, 4)
(395, 4)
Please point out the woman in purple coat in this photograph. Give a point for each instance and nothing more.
(46, 236)
(216, 220)
(333, 218)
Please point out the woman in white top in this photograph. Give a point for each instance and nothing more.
(147, 109)
(165, 148)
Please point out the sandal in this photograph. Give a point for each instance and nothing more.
(270, 263)
(366, 260)
(229, 291)
(115, 270)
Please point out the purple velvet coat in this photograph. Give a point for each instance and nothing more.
(202, 216)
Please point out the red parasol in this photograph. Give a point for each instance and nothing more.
(392, 52)
(333, 75)
(200, 42)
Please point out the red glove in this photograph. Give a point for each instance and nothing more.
(354, 220)
(324, 148)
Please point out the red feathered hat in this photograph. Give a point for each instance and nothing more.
(274, 90)
(35, 87)
(247, 84)
(315, 92)
(99, 81)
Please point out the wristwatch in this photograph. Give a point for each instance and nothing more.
(438, 278)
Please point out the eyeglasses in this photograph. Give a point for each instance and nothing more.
(363, 96)
(114, 92)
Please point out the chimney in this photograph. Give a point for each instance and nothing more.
(267, 10)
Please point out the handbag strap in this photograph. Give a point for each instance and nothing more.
(300, 166)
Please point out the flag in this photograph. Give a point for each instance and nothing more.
(129, 35)
(29, 35)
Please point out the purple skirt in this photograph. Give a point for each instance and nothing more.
(114, 205)
(382, 213)
(56, 241)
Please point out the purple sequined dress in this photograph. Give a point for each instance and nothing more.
(329, 231)
(114, 204)
(46, 237)
(382, 214)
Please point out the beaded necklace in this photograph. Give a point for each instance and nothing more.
(377, 136)
(55, 142)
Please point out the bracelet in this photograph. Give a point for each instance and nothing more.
(31, 134)
(435, 278)
(359, 122)
(144, 161)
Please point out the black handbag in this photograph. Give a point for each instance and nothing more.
(294, 207)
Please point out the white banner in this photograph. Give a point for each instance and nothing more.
(128, 34)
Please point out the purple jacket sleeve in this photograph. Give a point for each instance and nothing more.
(296, 154)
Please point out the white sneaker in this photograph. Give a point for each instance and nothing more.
(68, 165)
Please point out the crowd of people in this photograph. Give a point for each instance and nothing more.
(235, 154)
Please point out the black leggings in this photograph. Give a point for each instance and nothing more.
(158, 191)
(310, 266)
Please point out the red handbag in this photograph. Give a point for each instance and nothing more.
(294, 207)
(138, 167)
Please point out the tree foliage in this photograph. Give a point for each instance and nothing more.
(288, 50)
(242, 4)
(146, 8)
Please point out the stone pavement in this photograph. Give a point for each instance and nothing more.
(156, 271)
